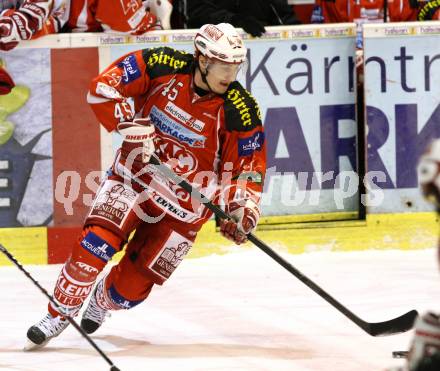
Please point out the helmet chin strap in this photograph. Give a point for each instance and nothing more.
(204, 79)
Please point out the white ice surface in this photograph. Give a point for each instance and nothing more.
(241, 311)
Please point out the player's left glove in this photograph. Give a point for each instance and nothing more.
(429, 173)
(138, 145)
(245, 215)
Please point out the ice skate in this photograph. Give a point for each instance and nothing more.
(49, 327)
(93, 316)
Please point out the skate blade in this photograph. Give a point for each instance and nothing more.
(30, 345)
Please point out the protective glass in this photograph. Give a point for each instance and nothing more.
(226, 71)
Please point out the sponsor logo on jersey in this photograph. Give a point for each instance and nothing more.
(113, 203)
(107, 91)
(98, 247)
(166, 205)
(130, 69)
(135, 20)
(171, 255)
(184, 117)
(166, 60)
(71, 293)
(129, 5)
(242, 106)
(247, 146)
(113, 76)
(86, 267)
(186, 162)
(172, 128)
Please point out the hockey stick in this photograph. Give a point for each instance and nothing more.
(70, 319)
(394, 326)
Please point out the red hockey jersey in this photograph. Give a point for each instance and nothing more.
(200, 137)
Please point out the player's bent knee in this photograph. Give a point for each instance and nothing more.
(96, 241)
(95, 248)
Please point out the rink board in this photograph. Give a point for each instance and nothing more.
(380, 231)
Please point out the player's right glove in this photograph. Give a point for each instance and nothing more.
(21, 24)
(245, 215)
(429, 172)
(137, 143)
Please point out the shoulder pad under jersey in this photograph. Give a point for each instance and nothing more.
(241, 109)
(166, 61)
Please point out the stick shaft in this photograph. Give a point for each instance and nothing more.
(396, 325)
(57, 307)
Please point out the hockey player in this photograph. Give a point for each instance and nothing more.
(424, 354)
(189, 110)
(374, 11)
(30, 19)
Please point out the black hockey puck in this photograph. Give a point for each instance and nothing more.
(400, 354)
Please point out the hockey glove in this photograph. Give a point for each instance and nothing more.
(149, 23)
(244, 218)
(21, 24)
(248, 23)
(137, 143)
(429, 173)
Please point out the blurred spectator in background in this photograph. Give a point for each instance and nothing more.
(373, 11)
(120, 16)
(29, 19)
(251, 15)
(24, 19)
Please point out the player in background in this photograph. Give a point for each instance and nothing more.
(374, 11)
(189, 110)
(424, 353)
(117, 16)
(30, 19)
(23, 20)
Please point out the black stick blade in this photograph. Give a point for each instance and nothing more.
(393, 326)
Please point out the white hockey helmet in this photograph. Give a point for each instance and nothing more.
(221, 42)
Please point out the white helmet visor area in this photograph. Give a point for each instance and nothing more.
(226, 71)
